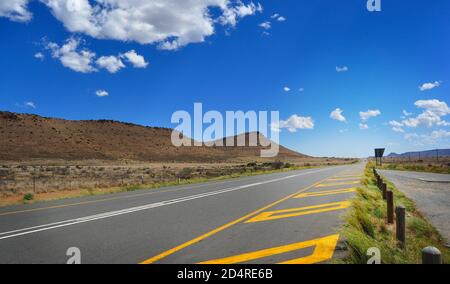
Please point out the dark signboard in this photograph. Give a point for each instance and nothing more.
(379, 152)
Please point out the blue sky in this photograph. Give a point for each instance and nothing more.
(236, 64)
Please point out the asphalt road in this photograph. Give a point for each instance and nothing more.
(431, 193)
(289, 217)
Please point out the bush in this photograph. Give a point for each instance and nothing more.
(28, 197)
(277, 165)
(185, 173)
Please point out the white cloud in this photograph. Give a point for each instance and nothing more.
(170, 24)
(433, 112)
(266, 25)
(82, 60)
(363, 126)
(411, 136)
(301, 90)
(436, 106)
(232, 14)
(429, 86)
(341, 69)
(30, 105)
(278, 17)
(138, 61)
(365, 115)
(39, 56)
(293, 123)
(15, 10)
(286, 89)
(71, 57)
(405, 113)
(337, 115)
(431, 139)
(111, 63)
(396, 126)
(101, 93)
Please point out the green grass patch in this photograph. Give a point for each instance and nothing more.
(366, 227)
(28, 197)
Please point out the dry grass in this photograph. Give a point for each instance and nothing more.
(58, 182)
(430, 165)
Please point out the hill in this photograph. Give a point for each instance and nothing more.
(422, 154)
(28, 136)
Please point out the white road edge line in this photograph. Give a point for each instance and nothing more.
(46, 227)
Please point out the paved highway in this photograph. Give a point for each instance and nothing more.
(289, 217)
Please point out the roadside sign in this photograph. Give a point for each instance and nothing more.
(379, 152)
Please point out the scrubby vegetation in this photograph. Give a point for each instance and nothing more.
(441, 168)
(366, 227)
(57, 182)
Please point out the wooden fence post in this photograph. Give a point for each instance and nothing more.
(400, 213)
(390, 206)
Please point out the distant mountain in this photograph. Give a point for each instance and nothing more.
(422, 154)
(27, 136)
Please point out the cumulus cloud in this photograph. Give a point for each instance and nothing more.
(337, 115)
(266, 25)
(39, 56)
(101, 93)
(286, 89)
(363, 126)
(274, 16)
(365, 115)
(396, 126)
(411, 136)
(432, 138)
(170, 24)
(232, 14)
(138, 61)
(15, 10)
(433, 111)
(111, 63)
(79, 59)
(429, 86)
(293, 123)
(341, 69)
(406, 113)
(278, 17)
(432, 114)
(72, 57)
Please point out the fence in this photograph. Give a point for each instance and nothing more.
(430, 255)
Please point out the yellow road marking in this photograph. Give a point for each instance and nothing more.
(326, 192)
(345, 178)
(295, 212)
(324, 249)
(337, 183)
(226, 226)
